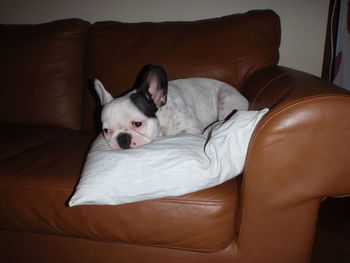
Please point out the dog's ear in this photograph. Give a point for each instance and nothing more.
(154, 86)
(102, 93)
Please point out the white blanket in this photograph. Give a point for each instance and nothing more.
(169, 166)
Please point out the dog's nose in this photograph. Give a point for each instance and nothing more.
(124, 140)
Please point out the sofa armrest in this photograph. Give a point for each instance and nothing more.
(278, 85)
(298, 155)
(308, 124)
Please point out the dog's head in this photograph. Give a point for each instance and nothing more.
(130, 121)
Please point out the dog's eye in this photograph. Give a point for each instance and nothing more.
(136, 124)
(105, 130)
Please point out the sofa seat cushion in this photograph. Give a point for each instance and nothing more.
(36, 184)
(16, 138)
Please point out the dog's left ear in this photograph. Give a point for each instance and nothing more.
(154, 86)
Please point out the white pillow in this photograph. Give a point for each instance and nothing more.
(169, 166)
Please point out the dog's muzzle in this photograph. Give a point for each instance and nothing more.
(124, 140)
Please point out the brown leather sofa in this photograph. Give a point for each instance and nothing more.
(298, 155)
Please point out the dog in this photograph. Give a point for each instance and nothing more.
(158, 107)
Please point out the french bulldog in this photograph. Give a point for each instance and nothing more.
(158, 107)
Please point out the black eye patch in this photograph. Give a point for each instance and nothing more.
(149, 109)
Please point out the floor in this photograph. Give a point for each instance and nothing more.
(332, 244)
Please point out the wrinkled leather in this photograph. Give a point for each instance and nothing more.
(298, 154)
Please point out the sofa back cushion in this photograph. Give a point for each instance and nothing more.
(229, 49)
(42, 73)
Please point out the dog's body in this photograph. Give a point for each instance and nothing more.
(195, 103)
(152, 109)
